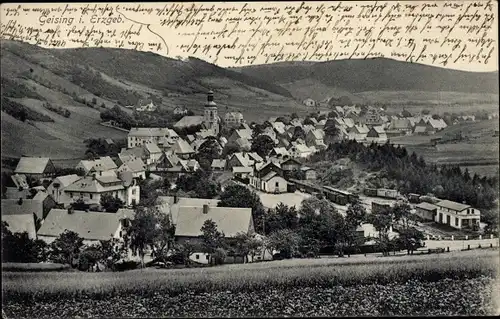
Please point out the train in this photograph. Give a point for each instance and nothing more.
(334, 195)
(382, 192)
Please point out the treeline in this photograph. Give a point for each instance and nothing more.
(158, 118)
(57, 109)
(411, 174)
(22, 113)
(11, 88)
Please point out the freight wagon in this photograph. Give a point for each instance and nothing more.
(339, 196)
(371, 192)
(414, 198)
(387, 193)
(306, 187)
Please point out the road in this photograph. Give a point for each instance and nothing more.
(459, 244)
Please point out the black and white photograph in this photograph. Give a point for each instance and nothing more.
(250, 159)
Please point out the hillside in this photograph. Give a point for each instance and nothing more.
(378, 74)
(39, 81)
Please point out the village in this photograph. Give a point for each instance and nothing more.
(101, 197)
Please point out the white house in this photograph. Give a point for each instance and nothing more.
(376, 134)
(298, 150)
(103, 166)
(134, 165)
(91, 188)
(457, 215)
(138, 136)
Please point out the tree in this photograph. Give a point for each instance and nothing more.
(229, 149)
(355, 216)
(284, 240)
(211, 237)
(89, 257)
(18, 247)
(382, 222)
(162, 236)
(262, 145)
(409, 236)
(241, 196)
(207, 152)
(182, 252)
(139, 235)
(246, 244)
(111, 204)
(331, 131)
(298, 132)
(281, 217)
(65, 249)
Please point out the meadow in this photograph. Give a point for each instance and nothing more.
(425, 285)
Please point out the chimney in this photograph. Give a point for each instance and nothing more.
(20, 201)
(205, 209)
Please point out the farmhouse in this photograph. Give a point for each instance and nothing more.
(309, 173)
(182, 149)
(134, 165)
(103, 166)
(269, 178)
(138, 136)
(20, 215)
(91, 226)
(218, 165)
(376, 134)
(36, 167)
(457, 215)
(229, 220)
(174, 203)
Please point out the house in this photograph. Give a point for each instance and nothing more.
(242, 171)
(47, 201)
(19, 216)
(299, 150)
(135, 152)
(309, 102)
(457, 215)
(180, 111)
(357, 132)
(35, 167)
(279, 153)
(243, 159)
(134, 165)
(189, 121)
(197, 143)
(279, 128)
(222, 141)
(153, 152)
(233, 119)
(182, 149)
(190, 165)
(90, 189)
(268, 177)
(403, 125)
(309, 173)
(138, 136)
(376, 134)
(373, 117)
(290, 164)
(240, 134)
(58, 185)
(205, 133)
(315, 138)
(91, 226)
(426, 211)
(243, 144)
(146, 105)
(218, 165)
(174, 203)
(103, 166)
(229, 220)
(368, 231)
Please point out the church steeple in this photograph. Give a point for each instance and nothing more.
(211, 118)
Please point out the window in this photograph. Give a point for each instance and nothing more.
(208, 257)
(70, 195)
(277, 184)
(456, 221)
(91, 196)
(133, 191)
(197, 256)
(53, 192)
(121, 233)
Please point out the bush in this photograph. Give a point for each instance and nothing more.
(20, 112)
(59, 110)
(126, 265)
(34, 267)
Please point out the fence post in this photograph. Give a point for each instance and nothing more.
(491, 236)
(448, 249)
(452, 238)
(429, 238)
(480, 237)
(491, 245)
(466, 237)
(468, 247)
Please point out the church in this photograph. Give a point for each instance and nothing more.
(209, 121)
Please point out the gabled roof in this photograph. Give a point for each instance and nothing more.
(243, 142)
(19, 223)
(269, 175)
(281, 151)
(244, 133)
(218, 163)
(135, 165)
(32, 165)
(182, 147)
(66, 180)
(452, 205)
(40, 196)
(400, 124)
(91, 185)
(192, 120)
(27, 206)
(152, 148)
(419, 129)
(138, 152)
(242, 169)
(255, 157)
(185, 201)
(148, 132)
(190, 138)
(318, 134)
(426, 206)
(349, 122)
(88, 225)
(301, 148)
(101, 164)
(243, 158)
(229, 220)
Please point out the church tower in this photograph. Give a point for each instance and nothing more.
(211, 119)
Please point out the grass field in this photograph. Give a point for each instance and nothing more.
(455, 283)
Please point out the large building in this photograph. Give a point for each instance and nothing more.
(211, 118)
(457, 215)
